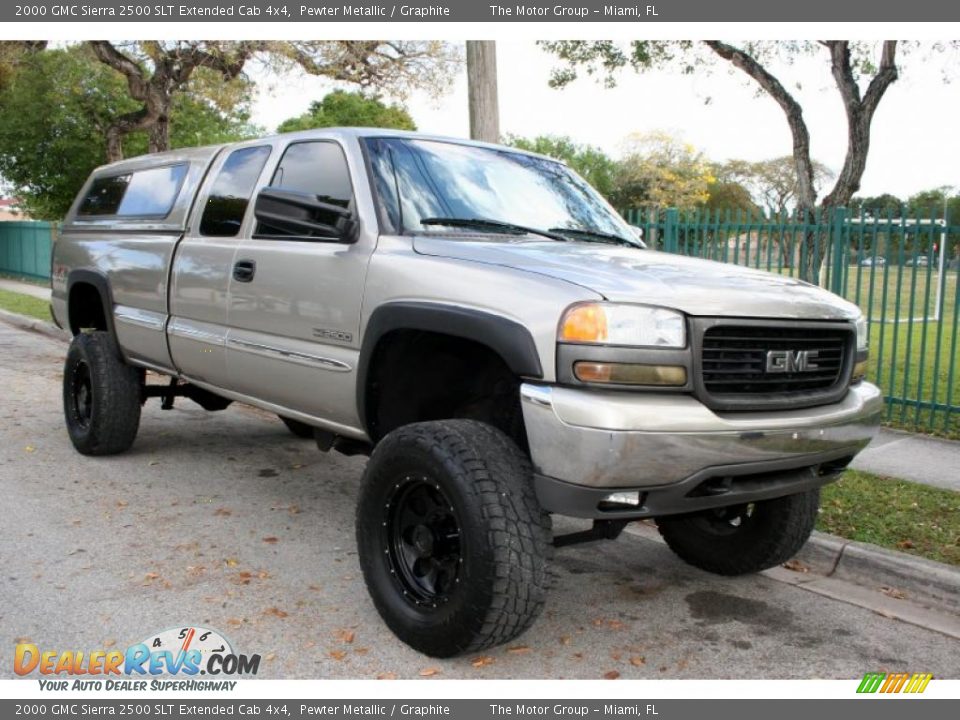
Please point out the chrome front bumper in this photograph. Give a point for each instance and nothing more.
(587, 443)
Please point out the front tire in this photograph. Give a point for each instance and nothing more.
(451, 538)
(101, 396)
(744, 538)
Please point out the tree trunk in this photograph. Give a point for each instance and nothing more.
(159, 140)
(482, 90)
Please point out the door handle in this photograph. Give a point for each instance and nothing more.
(244, 270)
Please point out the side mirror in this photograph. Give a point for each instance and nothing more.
(287, 213)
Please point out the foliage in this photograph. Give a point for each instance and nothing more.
(879, 206)
(930, 204)
(772, 183)
(729, 195)
(350, 109)
(52, 120)
(660, 171)
(591, 163)
(157, 71)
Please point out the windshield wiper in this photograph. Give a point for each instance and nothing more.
(597, 236)
(484, 224)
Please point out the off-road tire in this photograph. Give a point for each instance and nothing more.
(300, 429)
(101, 396)
(772, 534)
(504, 540)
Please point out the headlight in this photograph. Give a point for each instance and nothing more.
(863, 334)
(621, 324)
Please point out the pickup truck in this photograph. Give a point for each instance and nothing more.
(489, 330)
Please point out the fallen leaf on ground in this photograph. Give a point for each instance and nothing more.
(518, 649)
(796, 566)
(482, 661)
(564, 639)
(231, 562)
(345, 636)
(20, 640)
(30, 448)
(337, 654)
(122, 503)
(361, 651)
(276, 612)
(270, 539)
(905, 544)
(612, 675)
(223, 512)
(234, 622)
(152, 576)
(387, 676)
(893, 592)
(109, 643)
(429, 672)
(638, 660)
(270, 657)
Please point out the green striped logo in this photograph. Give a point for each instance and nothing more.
(894, 682)
(871, 682)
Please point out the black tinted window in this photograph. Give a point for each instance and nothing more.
(145, 193)
(318, 169)
(231, 192)
(104, 196)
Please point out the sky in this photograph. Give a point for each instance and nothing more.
(914, 144)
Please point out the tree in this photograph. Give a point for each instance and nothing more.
(659, 171)
(350, 109)
(852, 65)
(773, 183)
(53, 115)
(725, 194)
(932, 204)
(156, 72)
(591, 163)
(879, 206)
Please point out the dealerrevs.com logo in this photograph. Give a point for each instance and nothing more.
(155, 664)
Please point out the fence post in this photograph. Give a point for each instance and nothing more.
(670, 230)
(838, 256)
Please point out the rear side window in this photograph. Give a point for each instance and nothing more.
(144, 193)
(231, 192)
(104, 196)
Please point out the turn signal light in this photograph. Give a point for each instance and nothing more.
(630, 374)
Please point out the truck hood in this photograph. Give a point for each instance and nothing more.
(622, 274)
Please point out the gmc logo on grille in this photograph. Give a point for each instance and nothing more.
(788, 361)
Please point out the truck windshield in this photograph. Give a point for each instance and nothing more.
(430, 186)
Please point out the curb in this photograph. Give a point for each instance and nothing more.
(923, 581)
(38, 326)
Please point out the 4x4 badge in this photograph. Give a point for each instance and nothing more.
(786, 361)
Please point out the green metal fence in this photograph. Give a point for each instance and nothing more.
(902, 271)
(25, 248)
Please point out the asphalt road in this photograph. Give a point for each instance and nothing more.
(227, 521)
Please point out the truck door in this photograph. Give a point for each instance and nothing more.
(203, 264)
(295, 300)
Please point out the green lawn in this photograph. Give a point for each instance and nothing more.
(24, 305)
(895, 514)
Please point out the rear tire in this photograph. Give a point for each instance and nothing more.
(452, 541)
(745, 538)
(101, 396)
(300, 429)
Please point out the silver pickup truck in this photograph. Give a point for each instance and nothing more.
(487, 328)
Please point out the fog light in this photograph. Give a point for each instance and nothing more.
(630, 374)
(623, 498)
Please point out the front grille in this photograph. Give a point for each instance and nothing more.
(733, 363)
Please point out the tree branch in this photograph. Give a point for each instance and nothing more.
(806, 194)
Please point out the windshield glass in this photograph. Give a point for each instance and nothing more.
(419, 180)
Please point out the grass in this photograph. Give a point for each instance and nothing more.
(24, 305)
(895, 514)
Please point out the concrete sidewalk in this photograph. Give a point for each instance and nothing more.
(38, 291)
(920, 458)
(894, 453)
